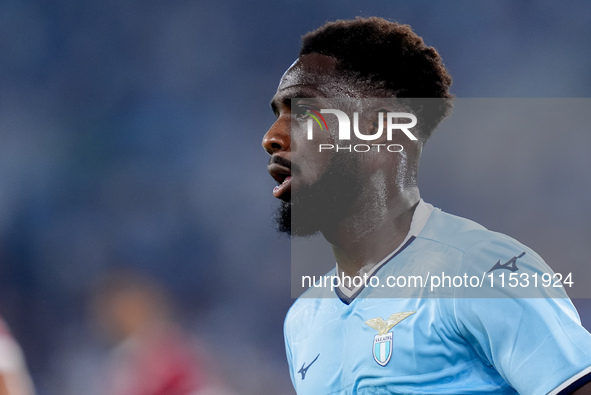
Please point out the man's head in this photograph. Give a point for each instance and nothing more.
(355, 59)
(388, 57)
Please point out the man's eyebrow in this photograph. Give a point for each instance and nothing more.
(293, 92)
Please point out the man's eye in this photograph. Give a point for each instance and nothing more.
(301, 113)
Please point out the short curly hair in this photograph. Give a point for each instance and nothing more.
(392, 57)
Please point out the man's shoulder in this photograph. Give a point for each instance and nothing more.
(461, 233)
(315, 299)
(460, 241)
(464, 247)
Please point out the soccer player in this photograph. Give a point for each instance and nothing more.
(153, 355)
(365, 340)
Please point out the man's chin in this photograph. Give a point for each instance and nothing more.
(322, 205)
(283, 218)
(301, 226)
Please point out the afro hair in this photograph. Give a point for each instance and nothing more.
(392, 57)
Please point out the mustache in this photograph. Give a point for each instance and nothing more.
(278, 160)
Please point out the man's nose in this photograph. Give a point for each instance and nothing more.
(278, 137)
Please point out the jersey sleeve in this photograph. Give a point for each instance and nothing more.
(534, 339)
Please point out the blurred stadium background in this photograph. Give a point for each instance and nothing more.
(130, 139)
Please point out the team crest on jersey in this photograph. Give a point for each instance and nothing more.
(382, 342)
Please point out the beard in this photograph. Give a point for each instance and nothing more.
(322, 204)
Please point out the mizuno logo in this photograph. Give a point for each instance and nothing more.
(509, 265)
(304, 369)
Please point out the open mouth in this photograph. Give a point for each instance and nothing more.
(283, 188)
(282, 175)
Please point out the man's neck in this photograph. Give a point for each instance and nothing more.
(364, 239)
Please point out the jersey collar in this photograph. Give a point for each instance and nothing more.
(419, 219)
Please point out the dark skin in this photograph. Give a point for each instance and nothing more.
(370, 231)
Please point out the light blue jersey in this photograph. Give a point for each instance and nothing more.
(366, 341)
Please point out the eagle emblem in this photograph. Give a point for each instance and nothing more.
(382, 342)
